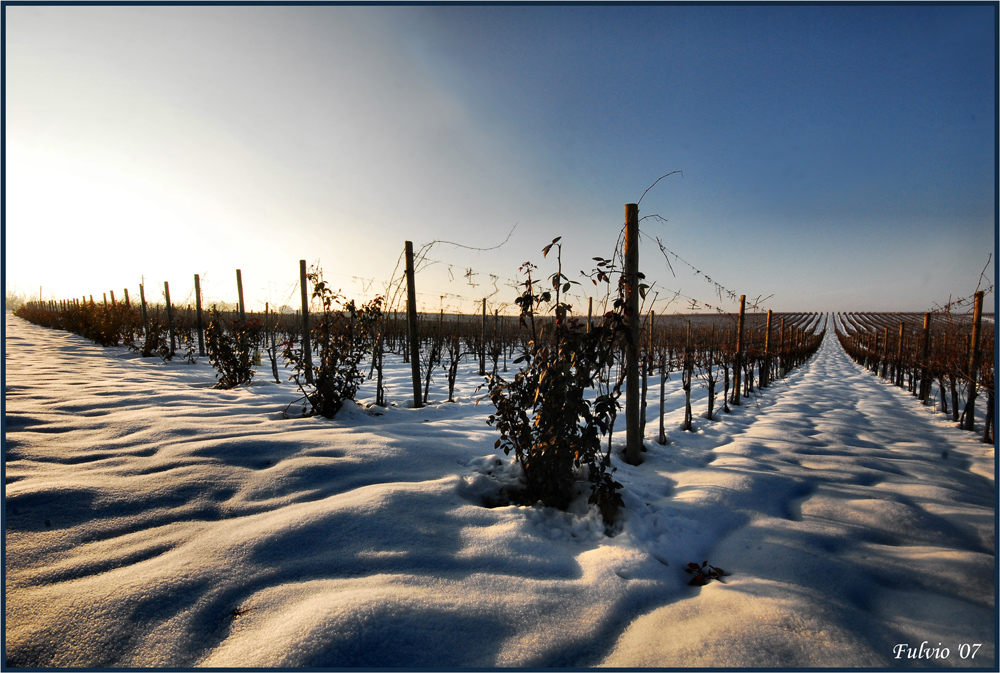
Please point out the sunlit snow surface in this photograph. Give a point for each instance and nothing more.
(152, 520)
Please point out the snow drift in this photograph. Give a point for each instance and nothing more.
(151, 520)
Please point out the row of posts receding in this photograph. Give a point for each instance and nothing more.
(633, 415)
(872, 350)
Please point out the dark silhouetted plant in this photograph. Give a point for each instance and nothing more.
(231, 350)
(704, 573)
(545, 415)
(341, 336)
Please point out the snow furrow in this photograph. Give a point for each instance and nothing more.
(151, 520)
(861, 508)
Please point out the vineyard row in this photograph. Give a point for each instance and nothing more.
(702, 346)
(952, 353)
(552, 411)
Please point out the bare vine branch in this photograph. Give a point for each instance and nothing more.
(982, 274)
(469, 247)
(654, 184)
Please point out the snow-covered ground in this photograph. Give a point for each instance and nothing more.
(152, 520)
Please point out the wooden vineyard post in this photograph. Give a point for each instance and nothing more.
(647, 362)
(662, 438)
(482, 346)
(405, 337)
(885, 352)
(306, 353)
(738, 356)
(649, 342)
(970, 405)
(590, 312)
(899, 355)
(781, 350)
(379, 356)
(875, 354)
(633, 438)
(925, 384)
(239, 293)
(198, 318)
(765, 370)
(411, 323)
(709, 369)
(686, 377)
(170, 317)
(497, 341)
(127, 304)
(914, 360)
(503, 342)
(145, 313)
(270, 341)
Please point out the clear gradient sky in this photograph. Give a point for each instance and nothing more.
(835, 157)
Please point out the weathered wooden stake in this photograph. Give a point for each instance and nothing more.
(145, 313)
(711, 376)
(269, 326)
(170, 317)
(198, 317)
(633, 432)
(925, 384)
(644, 375)
(686, 377)
(875, 357)
(503, 348)
(662, 438)
(649, 342)
(782, 358)
(899, 354)
(482, 350)
(239, 291)
(885, 352)
(738, 356)
(306, 352)
(379, 355)
(411, 322)
(497, 343)
(970, 406)
(405, 338)
(765, 371)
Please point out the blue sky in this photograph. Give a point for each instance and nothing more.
(835, 157)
